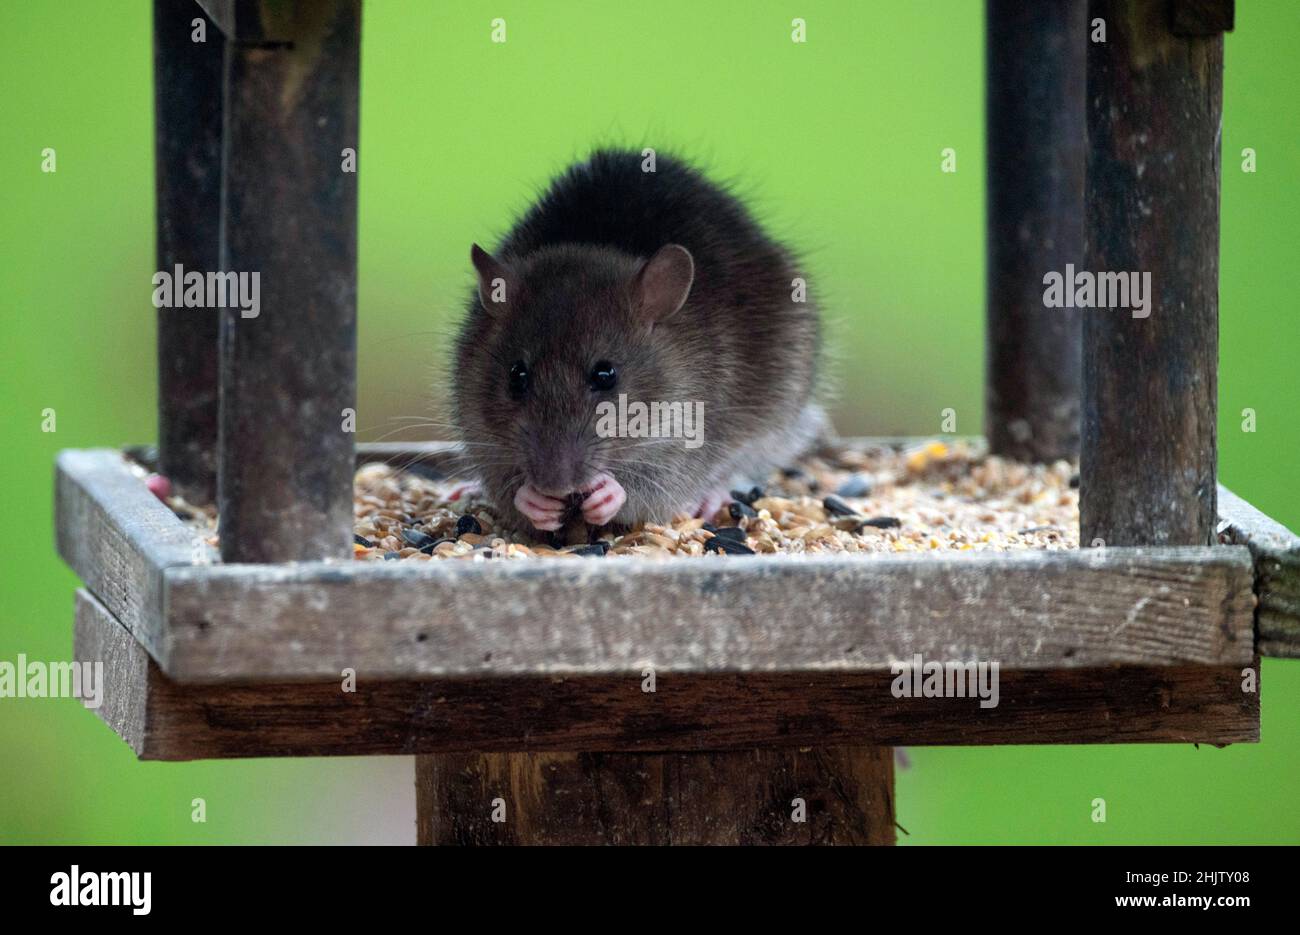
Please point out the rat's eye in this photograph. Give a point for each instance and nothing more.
(518, 379)
(603, 376)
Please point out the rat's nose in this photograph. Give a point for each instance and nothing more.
(557, 467)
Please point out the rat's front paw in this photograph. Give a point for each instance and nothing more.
(710, 504)
(543, 511)
(604, 497)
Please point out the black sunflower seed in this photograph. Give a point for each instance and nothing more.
(362, 541)
(468, 523)
(837, 507)
(593, 551)
(727, 546)
(883, 522)
(738, 509)
(417, 539)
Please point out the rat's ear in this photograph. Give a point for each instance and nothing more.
(495, 279)
(663, 283)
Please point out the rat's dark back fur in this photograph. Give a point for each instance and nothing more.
(740, 344)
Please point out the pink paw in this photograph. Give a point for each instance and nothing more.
(712, 502)
(604, 498)
(544, 512)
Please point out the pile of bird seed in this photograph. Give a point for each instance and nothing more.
(937, 496)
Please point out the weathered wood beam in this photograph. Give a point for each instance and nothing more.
(163, 720)
(404, 620)
(1276, 551)
(1155, 107)
(826, 795)
(1024, 610)
(119, 539)
(289, 216)
(187, 169)
(1034, 104)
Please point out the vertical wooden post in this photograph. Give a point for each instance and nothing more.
(289, 215)
(1155, 105)
(1034, 103)
(187, 166)
(743, 797)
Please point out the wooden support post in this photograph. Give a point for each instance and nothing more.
(1155, 104)
(743, 797)
(1034, 62)
(187, 158)
(289, 214)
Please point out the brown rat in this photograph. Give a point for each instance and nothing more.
(657, 286)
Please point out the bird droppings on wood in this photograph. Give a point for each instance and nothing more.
(930, 497)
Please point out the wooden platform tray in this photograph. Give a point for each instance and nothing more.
(1097, 645)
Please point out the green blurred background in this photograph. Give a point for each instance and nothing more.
(836, 141)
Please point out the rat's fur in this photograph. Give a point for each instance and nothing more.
(739, 344)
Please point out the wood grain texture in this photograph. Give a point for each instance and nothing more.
(1276, 551)
(251, 22)
(118, 537)
(1155, 107)
(594, 617)
(130, 676)
(289, 213)
(765, 613)
(735, 798)
(1034, 95)
(164, 720)
(187, 148)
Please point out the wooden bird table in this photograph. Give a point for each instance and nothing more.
(518, 686)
